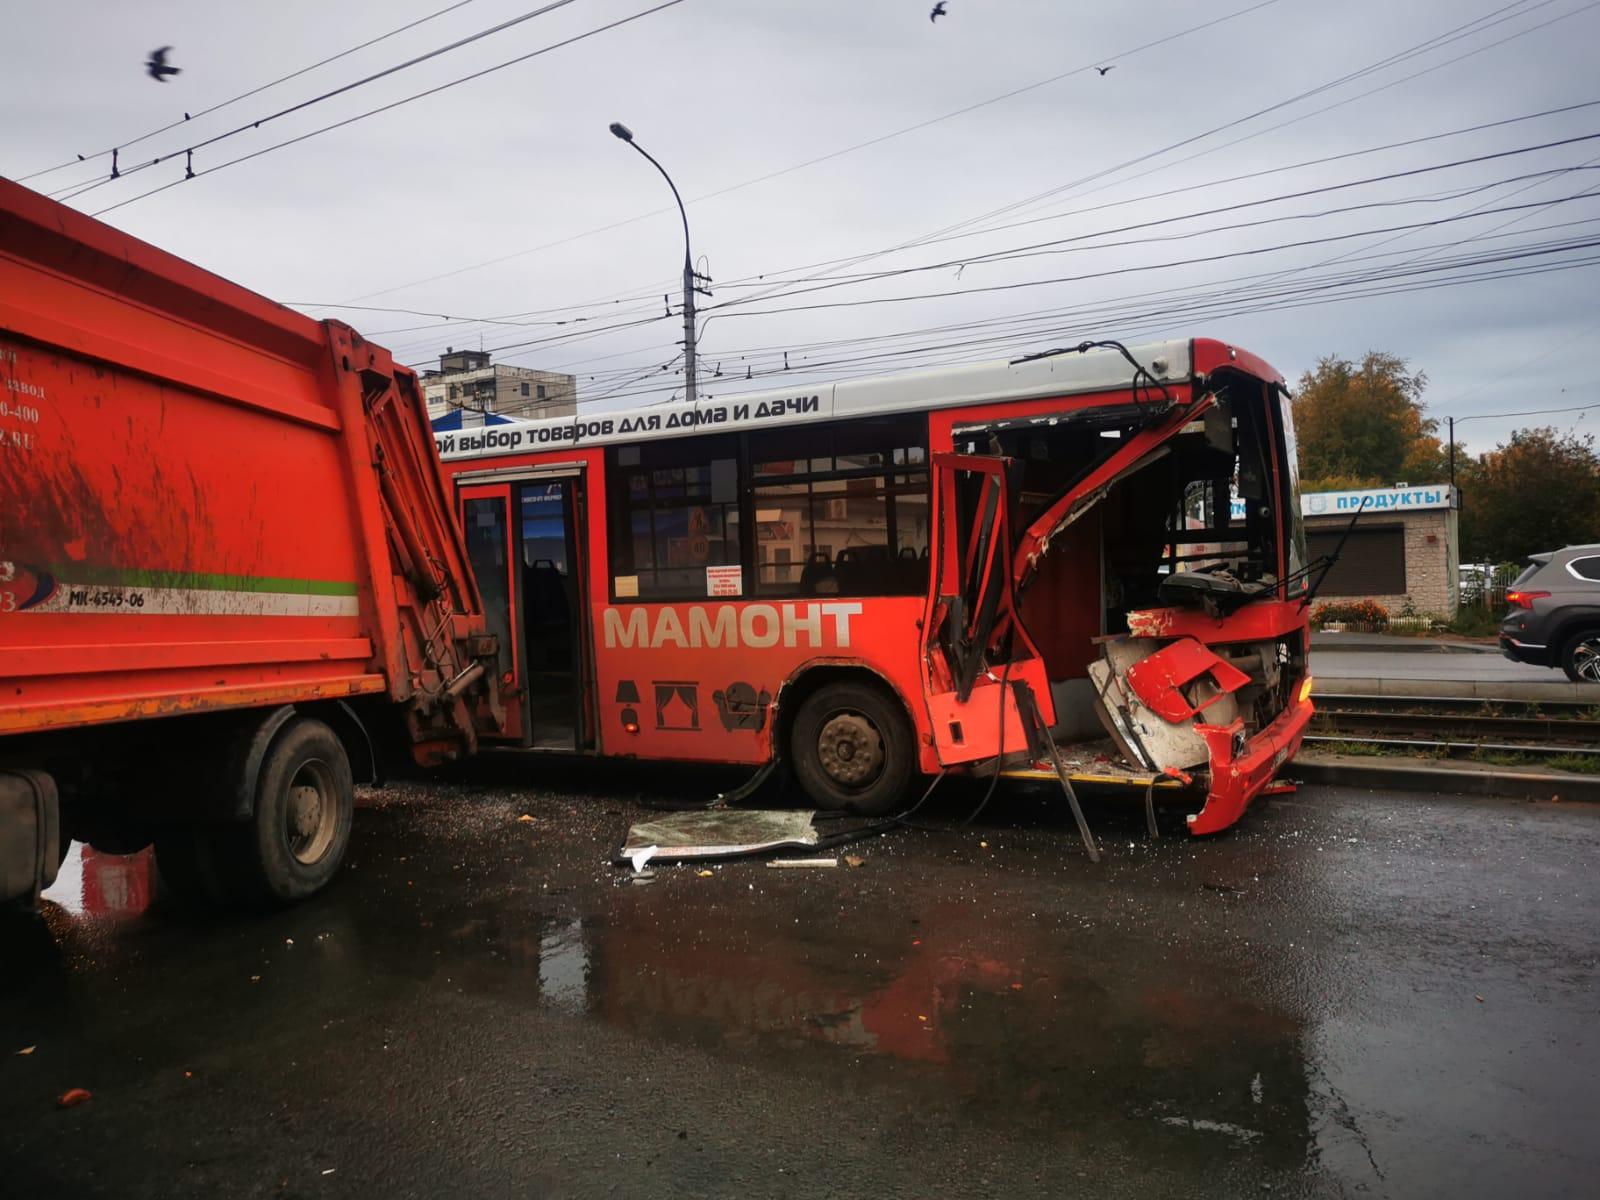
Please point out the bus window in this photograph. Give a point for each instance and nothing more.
(674, 512)
(846, 521)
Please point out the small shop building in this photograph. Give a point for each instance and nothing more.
(1406, 546)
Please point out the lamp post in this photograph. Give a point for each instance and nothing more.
(622, 132)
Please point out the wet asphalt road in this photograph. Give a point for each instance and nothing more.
(1473, 667)
(1353, 994)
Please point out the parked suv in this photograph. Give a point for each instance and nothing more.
(1555, 613)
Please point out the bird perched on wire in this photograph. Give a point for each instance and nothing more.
(938, 11)
(157, 67)
(1103, 70)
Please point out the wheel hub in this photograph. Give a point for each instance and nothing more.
(310, 814)
(1586, 660)
(305, 811)
(851, 749)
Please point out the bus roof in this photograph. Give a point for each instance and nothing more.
(948, 387)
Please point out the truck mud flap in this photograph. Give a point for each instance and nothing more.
(30, 834)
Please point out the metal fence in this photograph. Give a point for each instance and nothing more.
(1483, 585)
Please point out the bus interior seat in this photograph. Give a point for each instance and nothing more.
(862, 570)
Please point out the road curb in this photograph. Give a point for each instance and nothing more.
(1411, 776)
(1469, 689)
(1322, 644)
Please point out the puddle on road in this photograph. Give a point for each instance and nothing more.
(1058, 1026)
(1021, 1025)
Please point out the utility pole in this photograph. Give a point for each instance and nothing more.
(689, 392)
(1452, 421)
(691, 278)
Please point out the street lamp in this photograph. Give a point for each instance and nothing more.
(622, 132)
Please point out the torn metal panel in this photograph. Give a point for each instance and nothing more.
(720, 833)
(1144, 737)
(1161, 679)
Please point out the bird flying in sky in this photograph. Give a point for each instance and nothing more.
(938, 11)
(1103, 70)
(157, 67)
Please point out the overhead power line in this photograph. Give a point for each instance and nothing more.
(372, 112)
(641, 296)
(1366, 283)
(1035, 248)
(1477, 25)
(1128, 270)
(255, 91)
(1081, 69)
(249, 126)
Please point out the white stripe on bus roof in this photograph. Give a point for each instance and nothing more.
(948, 387)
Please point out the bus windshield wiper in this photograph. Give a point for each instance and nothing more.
(1327, 560)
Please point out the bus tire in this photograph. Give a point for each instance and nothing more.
(851, 747)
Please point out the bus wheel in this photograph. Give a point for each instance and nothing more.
(851, 748)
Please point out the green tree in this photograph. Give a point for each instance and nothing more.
(1363, 425)
(1539, 491)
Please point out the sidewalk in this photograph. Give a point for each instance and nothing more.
(1389, 643)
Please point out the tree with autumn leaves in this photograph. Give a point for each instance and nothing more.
(1364, 425)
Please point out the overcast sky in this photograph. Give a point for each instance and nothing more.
(517, 170)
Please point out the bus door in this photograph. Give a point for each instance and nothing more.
(985, 684)
(491, 548)
(524, 537)
(554, 630)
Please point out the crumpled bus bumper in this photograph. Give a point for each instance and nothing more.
(1241, 768)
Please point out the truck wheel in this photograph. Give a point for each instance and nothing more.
(305, 798)
(294, 842)
(851, 748)
(1580, 659)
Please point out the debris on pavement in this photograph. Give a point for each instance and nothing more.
(525, 817)
(853, 860)
(640, 857)
(26, 1050)
(73, 1097)
(803, 862)
(718, 833)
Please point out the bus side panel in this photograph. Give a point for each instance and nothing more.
(696, 680)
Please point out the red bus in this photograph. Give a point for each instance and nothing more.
(1091, 557)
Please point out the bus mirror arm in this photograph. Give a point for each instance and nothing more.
(1325, 563)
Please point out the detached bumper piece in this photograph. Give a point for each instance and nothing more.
(1174, 710)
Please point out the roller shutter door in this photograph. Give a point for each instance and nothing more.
(1373, 562)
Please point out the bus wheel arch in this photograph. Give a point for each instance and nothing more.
(849, 738)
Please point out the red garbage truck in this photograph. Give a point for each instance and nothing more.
(230, 578)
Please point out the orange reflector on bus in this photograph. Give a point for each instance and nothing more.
(1305, 690)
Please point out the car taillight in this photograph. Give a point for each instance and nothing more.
(1518, 599)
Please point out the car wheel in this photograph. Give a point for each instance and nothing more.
(851, 748)
(1580, 659)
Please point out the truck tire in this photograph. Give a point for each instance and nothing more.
(851, 749)
(295, 839)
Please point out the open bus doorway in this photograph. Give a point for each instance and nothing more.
(523, 540)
